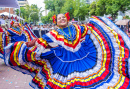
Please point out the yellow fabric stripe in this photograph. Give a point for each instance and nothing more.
(16, 51)
(32, 56)
(43, 41)
(77, 35)
(26, 65)
(27, 36)
(120, 48)
(83, 80)
(7, 37)
(33, 48)
(66, 41)
(1, 41)
(40, 80)
(76, 79)
(121, 56)
(85, 30)
(121, 83)
(103, 47)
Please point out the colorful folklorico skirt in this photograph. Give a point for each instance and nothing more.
(100, 61)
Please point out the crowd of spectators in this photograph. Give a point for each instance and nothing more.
(39, 30)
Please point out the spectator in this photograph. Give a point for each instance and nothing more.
(34, 27)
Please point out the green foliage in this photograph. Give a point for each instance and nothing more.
(54, 5)
(79, 8)
(92, 8)
(101, 7)
(113, 6)
(76, 8)
(49, 5)
(68, 7)
(33, 11)
(127, 17)
(48, 18)
(83, 11)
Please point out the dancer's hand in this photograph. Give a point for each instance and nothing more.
(31, 43)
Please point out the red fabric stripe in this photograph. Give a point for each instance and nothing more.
(28, 35)
(30, 31)
(1, 51)
(125, 84)
(92, 81)
(121, 40)
(106, 46)
(38, 83)
(41, 43)
(62, 39)
(126, 50)
(34, 49)
(54, 86)
(79, 83)
(32, 35)
(46, 72)
(96, 79)
(86, 31)
(29, 55)
(15, 31)
(6, 40)
(126, 53)
(12, 56)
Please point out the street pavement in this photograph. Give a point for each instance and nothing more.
(12, 79)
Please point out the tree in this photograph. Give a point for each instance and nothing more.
(113, 6)
(54, 5)
(68, 7)
(58, 5)
(76, 8)
(92, 8)
(48, 18)
(33, 11)
(100, 8)
(49, 5)
(83, 11)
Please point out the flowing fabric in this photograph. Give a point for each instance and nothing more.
(13, 35)
(94, 57)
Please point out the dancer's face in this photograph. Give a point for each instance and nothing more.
(62, 20)
(15, 24)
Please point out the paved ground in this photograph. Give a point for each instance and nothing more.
(12, 79)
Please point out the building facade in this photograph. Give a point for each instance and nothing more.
(7, 10)
(23, 3)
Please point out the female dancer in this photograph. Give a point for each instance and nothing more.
(14, 34)
(94, 56)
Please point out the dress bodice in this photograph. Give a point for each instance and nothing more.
(69, 37)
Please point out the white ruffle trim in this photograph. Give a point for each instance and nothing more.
(40, 47)
(63, 45)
